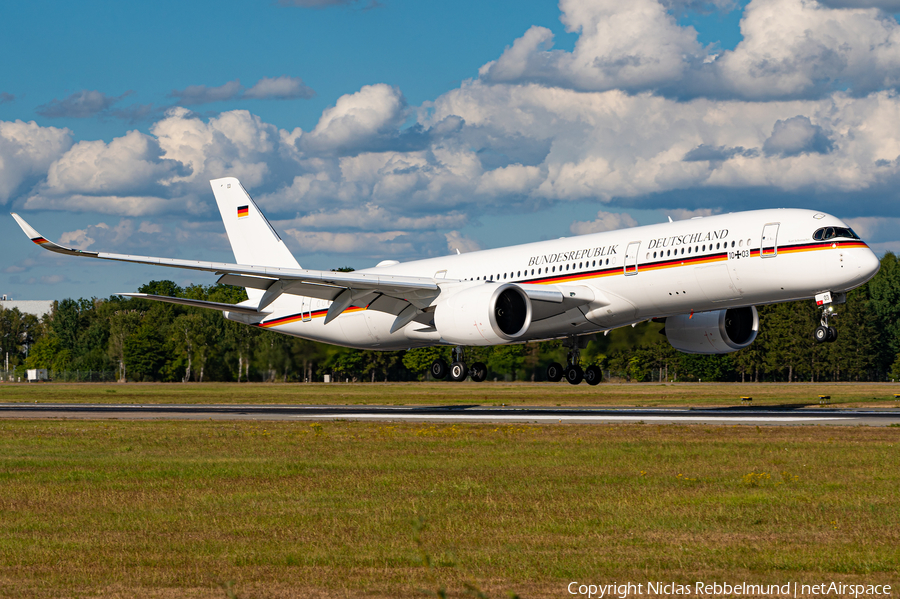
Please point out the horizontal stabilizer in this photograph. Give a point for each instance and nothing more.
(197, 303)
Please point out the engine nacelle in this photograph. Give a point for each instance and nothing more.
(716, 332)
(487, 314)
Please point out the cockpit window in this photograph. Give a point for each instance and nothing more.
(826, 233)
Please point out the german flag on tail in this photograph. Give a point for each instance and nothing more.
(243, 211)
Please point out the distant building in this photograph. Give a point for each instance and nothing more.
(37, 307)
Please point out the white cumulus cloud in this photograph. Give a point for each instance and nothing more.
(605, 221)
(26, 152)
(280, 88)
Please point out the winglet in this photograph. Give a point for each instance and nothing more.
(42, 241)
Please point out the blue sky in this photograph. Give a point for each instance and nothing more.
(401, 129)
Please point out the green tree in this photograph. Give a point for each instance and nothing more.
(145, 349)
(189, 335)
(18, 332)
(167, 288)
(44, 353)
(855, 351)
(884, 294)
(419, 360)
(895, 369)
(507, 359)
(788, 338)
(240, 339)
(344, 362)
(122, 325)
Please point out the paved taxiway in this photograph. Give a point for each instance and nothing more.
(780, 415)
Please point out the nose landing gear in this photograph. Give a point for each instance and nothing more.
(825, 333)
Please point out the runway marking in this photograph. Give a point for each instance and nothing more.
(567, 417)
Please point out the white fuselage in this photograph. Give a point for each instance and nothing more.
(697, 265)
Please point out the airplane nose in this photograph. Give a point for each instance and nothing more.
(867, 264)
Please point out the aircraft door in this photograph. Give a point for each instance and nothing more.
(306, 309)
(631, 258)
(769, 244)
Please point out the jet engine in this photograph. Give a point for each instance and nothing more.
(716, 332)
(487, 314)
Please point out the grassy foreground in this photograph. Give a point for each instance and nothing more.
(446, 393)
(299, 509)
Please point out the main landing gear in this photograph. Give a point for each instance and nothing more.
(458, 371)
(825, 333)
(573, 373)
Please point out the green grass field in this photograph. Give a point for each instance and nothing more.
(175, 509)
(445, 393)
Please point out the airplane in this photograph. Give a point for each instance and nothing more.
(702, 277)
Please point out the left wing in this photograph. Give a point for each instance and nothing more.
(405, 297)
(343, 289)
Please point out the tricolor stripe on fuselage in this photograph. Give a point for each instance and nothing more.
(606, 271)
(686, 260)
(304, 315)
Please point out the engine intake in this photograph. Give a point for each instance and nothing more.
(716, 332)
(487, 314)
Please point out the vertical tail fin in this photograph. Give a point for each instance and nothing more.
(252, 238)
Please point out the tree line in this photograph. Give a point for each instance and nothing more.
(141, 340)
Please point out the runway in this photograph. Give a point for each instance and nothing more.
(779, 415)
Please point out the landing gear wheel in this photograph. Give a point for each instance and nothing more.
(554, 372)
(478, 372)
(825, 333)
(439, 369)
(574, 374)
(821, 334)
(593, 375)
(458, 371)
